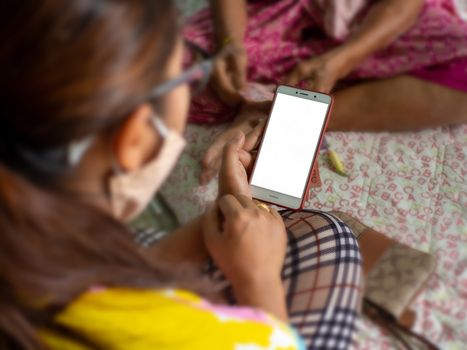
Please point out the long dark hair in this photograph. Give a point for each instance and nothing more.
(68, 69)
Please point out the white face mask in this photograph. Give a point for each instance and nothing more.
(130, 193)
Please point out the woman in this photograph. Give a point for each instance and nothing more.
(92, 107)
(392, 64)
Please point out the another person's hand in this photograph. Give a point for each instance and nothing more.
(230, 74)
(248, 244)
(321, 73)
(257, 100)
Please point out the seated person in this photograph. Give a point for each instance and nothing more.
(93, 103)
(392, 65)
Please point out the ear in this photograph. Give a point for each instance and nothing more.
(135, 141)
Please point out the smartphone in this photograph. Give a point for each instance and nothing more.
(289, 146)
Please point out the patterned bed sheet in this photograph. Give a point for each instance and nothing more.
(409, 186)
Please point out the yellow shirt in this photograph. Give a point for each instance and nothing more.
(123, 319)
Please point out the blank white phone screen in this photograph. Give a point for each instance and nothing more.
(289, 145)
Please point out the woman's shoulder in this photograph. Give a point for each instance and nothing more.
(98, 297)
(171, 318)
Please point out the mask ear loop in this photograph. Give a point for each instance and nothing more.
(160, 126)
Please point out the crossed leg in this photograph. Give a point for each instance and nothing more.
(323, 279)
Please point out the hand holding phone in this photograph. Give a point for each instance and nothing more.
(289, 147)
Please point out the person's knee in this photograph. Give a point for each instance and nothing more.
(345, 243)
(328, 231)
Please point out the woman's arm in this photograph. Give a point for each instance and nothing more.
(266, 295)
(230, 20)
(386, 20)
(230, 73)
(186, 244)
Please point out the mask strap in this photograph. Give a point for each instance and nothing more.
(160, 126)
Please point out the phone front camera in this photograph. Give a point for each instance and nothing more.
(315, 96)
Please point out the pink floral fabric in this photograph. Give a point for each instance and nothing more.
(282, 33)
(338, 15)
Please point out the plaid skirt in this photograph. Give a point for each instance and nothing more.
(322, 276)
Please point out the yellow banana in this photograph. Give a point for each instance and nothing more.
(337, 163)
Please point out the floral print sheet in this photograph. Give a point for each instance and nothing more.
(410, 186)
